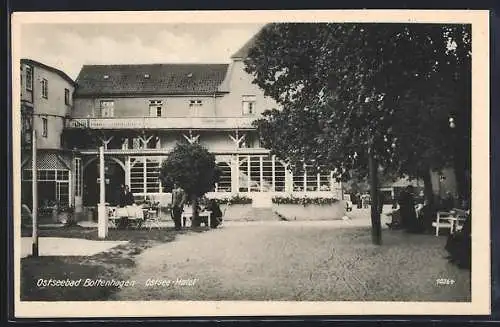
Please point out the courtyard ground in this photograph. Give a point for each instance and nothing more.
(298, 261)
(268, 260)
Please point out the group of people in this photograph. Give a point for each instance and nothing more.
(418, 218)
(180, 199)
(409, 216)
(362, 200)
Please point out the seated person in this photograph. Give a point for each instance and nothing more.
(458, 245)
(426, 216)
(216, 216)
(395, 218)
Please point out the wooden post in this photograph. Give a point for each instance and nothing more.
(34, 182)
(261, 174)
(304, 182)
(101, 209)
(249, 179)
(273, 172)
(375, 212)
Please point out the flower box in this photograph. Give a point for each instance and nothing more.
(304, 208)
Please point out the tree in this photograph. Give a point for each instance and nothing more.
(354, 94)
(193, 168)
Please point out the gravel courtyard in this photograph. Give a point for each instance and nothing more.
(297, 260)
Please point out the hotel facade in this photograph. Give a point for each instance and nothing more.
(138, 113)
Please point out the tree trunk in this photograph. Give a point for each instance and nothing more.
(428, 193)
(196, 220)
(374, 208)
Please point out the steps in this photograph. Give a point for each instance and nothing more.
(253, 214)
(263, 214)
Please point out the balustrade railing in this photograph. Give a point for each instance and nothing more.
(161, 123)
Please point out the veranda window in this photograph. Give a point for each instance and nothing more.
(144, 175)
(54, 184)
(224, 184)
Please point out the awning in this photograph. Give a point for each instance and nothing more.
(48, 160)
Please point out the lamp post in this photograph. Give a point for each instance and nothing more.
(101, 207)
(34, 182)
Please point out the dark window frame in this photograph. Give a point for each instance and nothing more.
(45, 127)
(45, 88)
(66, 96)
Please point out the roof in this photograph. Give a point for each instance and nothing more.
(47, 160)
(242, 53)
(157, 79)
(49, 68)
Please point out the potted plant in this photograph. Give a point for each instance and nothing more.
(66, 215)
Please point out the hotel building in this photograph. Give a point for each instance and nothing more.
(138, 113)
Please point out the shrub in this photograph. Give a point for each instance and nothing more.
(235, 200)
(303, 200)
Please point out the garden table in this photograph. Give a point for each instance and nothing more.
(188, 214)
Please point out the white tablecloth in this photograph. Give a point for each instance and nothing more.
(131, 212)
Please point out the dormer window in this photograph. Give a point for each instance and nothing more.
(106, 76)
(248, 102)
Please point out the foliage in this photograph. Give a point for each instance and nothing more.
(236, 199)
(305, 201)
(347, 88)
(65, 209)
(192, 167)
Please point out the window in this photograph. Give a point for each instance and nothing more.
(155, 108)
(62, 193)
(66, 96)
(107, 108)
(144, 174)
(47, 175)
(194, 106)
(195, 103)
(29, 78)
(45, 127)
(45, 88)
(248, 104)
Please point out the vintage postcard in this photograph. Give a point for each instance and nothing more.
(258, 163)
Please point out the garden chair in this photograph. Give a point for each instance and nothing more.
(224, 210)
(112, 217)
(461, 217)
(187, 214)
(26, 215)
(450, 220)
(152, 218)
(442, 221)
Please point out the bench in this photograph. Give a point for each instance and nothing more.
(452, 220)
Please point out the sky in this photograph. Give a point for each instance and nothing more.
(69, 46)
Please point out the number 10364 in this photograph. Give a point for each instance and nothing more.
(445, 281)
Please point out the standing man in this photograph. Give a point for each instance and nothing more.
(407, 205)
(178, 201)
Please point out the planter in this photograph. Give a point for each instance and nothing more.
(333, 211)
